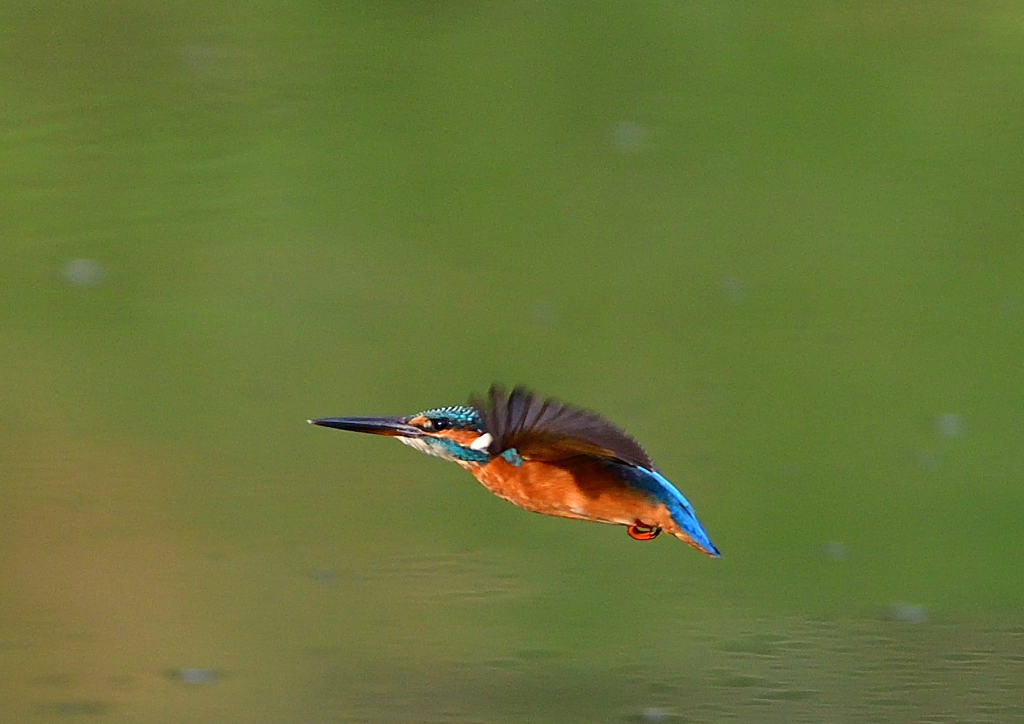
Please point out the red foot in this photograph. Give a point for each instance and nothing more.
(639, 531)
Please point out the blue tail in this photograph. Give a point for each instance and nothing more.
(653, 483)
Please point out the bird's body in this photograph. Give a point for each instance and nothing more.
(549, 458)
(582, 488)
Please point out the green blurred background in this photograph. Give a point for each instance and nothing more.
(782, 244)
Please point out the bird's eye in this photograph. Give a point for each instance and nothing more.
(436, 424)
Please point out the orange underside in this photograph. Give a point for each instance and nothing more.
(580, 487)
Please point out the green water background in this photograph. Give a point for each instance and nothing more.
(782, 245)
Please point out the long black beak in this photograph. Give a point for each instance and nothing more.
(391, 426)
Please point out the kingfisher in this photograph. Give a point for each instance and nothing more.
(548, 457)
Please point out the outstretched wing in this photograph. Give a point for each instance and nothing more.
(546, 429)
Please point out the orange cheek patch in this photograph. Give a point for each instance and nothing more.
(462, 437)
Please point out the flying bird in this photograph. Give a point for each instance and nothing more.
(548, 457)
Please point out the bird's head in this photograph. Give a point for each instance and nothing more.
(453, 433)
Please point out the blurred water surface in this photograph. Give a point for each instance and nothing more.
(781, 246)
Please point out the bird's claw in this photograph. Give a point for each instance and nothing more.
(639, 531)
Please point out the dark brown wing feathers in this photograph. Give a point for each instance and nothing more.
(546, 429)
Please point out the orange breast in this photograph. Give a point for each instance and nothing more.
(579, 487)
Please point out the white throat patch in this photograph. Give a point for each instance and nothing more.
(425, 447)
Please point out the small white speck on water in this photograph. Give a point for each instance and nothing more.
(652, 715)
(543, 313)
(836, 551)
(927, 460)
(82, 273)
(195, 676)
(734, 290)
(629, 137)
(949, 424)
(1010, 307)
(323, 576)
(908, 613)
(200, 59)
